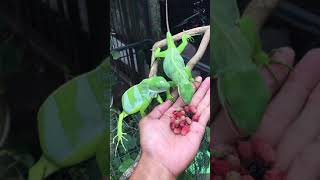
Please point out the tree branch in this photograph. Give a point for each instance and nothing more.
(201, 50)
(162, 43)
(260, 10)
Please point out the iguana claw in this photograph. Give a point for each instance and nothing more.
(187, 37)
(120, 139)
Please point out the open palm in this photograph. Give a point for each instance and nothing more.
(158, 141)
(291, 122)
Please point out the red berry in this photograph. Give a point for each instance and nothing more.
(221, 167)
(243, 171)
(247, 177)
(274, 174)
(185, 130)
(173, 119)
(172, 125)
(189, 121)
(177, 130)
(193, 109)
(233, 175)
(186, 108)
(177, 121)
(245, 149)
(216, 177)
(264, 150)
(182, 123)
(178, 114)
(196, 117)
(234, 162)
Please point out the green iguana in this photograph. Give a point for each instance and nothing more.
(174, 66)
(138, 97)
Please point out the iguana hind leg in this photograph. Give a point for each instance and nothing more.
(143, 108)
(168, 93)
(189, 73)
(120, 133)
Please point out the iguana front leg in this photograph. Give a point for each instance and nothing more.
(185, 38)
(159, 99)
(262, 59)
(168, 94)
(159, 54)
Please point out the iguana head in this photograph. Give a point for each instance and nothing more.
(186, 92)
(158, 84)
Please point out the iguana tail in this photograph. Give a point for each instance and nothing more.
(170, 40)
(167, 17)
(120, 133)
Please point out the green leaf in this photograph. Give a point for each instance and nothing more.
(102, 155)
(72, 122)
(125, 165)
(242, 90)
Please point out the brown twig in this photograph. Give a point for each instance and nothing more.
(260, 10)
(162, 43)
(201, 50)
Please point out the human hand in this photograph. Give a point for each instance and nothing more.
(290, 123)
(161, 148)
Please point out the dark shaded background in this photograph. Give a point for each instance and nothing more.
(56, 42)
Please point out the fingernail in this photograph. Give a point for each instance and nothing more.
(198, 79)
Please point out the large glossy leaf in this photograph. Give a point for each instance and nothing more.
(72, 123)
(241, 88)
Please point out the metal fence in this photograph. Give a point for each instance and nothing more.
(135, 26)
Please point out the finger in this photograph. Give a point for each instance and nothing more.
(222, 131)
(222, 128)
(159, 110)
(198, 96)
(301, 132)
(204, 103)
(284, 55)
(196, 134)
(197, 82)
(306, 165)
(288, 103)
(205, 116)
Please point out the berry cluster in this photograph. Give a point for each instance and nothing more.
(182, 118)
(245, 160)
